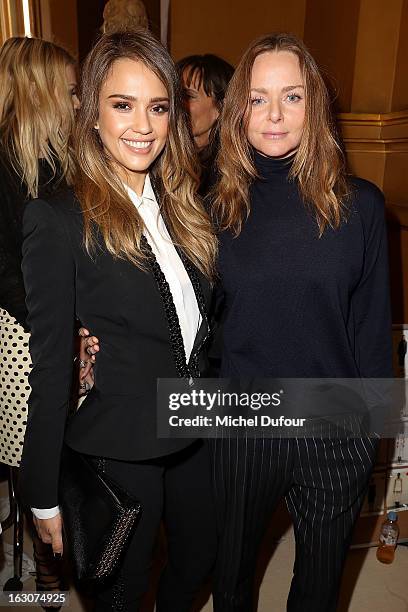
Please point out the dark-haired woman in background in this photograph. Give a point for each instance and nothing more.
(304, 278)
(37, 103)
(115, 268)
(205, 79)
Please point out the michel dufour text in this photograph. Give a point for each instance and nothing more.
(219, 400)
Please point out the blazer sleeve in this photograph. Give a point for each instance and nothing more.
(49, 277)
(12, 296)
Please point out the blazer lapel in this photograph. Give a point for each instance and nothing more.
(195, 276)
(204, 330)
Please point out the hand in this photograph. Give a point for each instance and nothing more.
(50, 532)
(89, 345)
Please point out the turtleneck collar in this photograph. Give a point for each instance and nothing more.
(268, 167)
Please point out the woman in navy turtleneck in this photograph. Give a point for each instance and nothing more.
(289, 293)
(304, 281)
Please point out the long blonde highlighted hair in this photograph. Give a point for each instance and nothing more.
(175, 173)
(318, 166)
(36, 112)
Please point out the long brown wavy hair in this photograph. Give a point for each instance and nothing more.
(175, 173)
(36, 113)
(318, 166)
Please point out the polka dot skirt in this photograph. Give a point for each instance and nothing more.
(15, 366)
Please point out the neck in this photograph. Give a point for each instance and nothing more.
(268, 167)
(289, 154)
(135, 180)
(202, 140)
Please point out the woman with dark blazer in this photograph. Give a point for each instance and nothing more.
(36, 159)
(130, 253)
(38, 99)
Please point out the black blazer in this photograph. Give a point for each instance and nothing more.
(122, 306)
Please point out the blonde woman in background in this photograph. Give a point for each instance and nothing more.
(37, 103)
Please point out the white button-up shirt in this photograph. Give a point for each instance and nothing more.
(156, 233)
(184, 297)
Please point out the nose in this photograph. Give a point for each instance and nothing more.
(141, 121)
(275, 111)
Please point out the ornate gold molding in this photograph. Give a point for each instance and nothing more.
(377, 149)
(380, 119)
(11, 19)
(36, 13)
(5, 21)
(387, 132)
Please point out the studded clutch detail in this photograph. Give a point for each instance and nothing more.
(98, 516)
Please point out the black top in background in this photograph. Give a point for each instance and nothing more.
(13, 198)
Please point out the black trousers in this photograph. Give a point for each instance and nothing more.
(323, 481)
(178, 489)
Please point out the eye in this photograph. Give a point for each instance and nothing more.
(73, 92)
(160, 109)
(257, 101)
(292, 97)
(121, 106)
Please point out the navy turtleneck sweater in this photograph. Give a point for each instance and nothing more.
(297, 305)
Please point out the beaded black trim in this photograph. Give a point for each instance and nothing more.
(184, 370)
(101, 464)
(118, 600)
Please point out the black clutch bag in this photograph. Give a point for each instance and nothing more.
(98, 516)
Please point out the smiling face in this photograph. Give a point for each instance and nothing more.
(277, 108)
(133, 119)
(201, 108)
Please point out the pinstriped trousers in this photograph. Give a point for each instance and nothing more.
(323, 482)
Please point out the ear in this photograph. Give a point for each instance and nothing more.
(215, 113)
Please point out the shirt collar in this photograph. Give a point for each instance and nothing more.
(148, 193)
